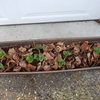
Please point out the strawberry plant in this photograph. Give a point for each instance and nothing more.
(39, 57)
(61, 62)
(29, 58)
(2, 53)
(67, 53)
(38, 47)
(1, 65)
(97, 49)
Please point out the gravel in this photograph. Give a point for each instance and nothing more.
(81, 85)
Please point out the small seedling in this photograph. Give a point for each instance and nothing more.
(67, 53)
(1, 65)
(38, 47)
(29, 58)
(39, 57)
(61, 62)
(97, 49)
(2, 53)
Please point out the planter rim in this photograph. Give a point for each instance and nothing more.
(47, 72)
(50, 40)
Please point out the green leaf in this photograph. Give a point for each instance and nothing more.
(67, 53)
(29, 58)
(1, 65)
(38, 47)
(61, 62)
(39, 57)
(2, 53)
(36, 56)
(97, 49)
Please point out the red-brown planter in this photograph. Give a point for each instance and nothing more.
(46, 41)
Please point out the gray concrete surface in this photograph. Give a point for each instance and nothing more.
(81, 85)
(51, 30)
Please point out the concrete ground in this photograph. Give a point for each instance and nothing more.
(51, 30)
(81, 85)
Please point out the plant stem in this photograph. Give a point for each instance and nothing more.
(39, 52)
(65, 57)
(1, 59)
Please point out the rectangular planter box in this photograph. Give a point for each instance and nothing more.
(41, 41)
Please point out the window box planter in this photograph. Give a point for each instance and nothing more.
(28, 57)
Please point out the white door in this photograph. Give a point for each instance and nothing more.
(37, 11)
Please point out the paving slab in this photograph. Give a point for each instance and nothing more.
(50, 30)
(81, 85)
